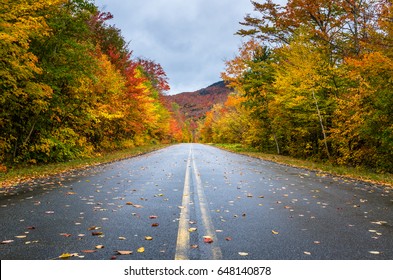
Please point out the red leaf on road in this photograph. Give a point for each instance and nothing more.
(207, 239)
(89, 251)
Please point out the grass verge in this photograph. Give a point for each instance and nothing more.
(21, 174)
(350, 172)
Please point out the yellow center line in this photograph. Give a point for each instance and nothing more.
(183, 234)
(183, 237)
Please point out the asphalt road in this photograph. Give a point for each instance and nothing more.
(192, 201)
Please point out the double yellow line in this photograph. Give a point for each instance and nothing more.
(183, 235)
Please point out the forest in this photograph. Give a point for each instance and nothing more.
(312, 80)
(71, 88)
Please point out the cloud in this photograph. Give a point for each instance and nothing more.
(189, 38)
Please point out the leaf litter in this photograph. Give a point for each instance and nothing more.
(120, 252)
(207, 239)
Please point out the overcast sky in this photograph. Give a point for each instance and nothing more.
(191, 39)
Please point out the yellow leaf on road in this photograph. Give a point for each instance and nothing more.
(141, 250)
(68, 255)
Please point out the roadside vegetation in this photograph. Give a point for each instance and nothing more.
(25, 172)
(313, 81)
(71, 88)
(358, 173)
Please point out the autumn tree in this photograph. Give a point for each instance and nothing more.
(323, 88)
(70, 86)
(304, 79)
(24, 98)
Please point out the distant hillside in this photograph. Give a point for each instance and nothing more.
(194, 105)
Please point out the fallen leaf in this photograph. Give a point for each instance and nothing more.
(207, 239)
(138, 206)
(68, 255)
(65, 256)
(194, 246)
(88, 251)
(317, 242)
(374, 252)
(243, 254)
(93, 228)
(124, 252)
(307, 253)
(7, 241)
(274, 232)
(49, 212)
(100, 246)
(155, 225)
(122, 238)
(21, 236)
(129, 203)
(192, 229)
(228, 238)
(153, 217)
(148, 238)
(30, 228)
(96, 233)
(381, 223)
(141, 250)
(65, 234)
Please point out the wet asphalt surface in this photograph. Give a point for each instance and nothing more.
(257, 209)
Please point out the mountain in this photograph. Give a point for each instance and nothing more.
(194, 105)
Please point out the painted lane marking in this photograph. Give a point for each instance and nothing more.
(183, 237)
(210, 251)
(208, 227)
